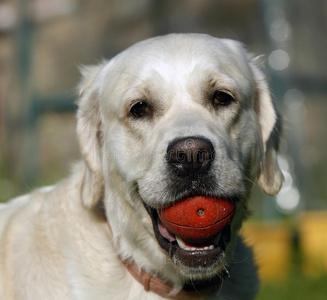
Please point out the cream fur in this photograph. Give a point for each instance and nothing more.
(55, 242)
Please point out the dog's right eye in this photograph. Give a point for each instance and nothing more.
(140, 109)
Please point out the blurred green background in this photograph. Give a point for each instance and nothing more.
(43, 42)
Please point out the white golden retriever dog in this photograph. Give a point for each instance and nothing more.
(96, 234)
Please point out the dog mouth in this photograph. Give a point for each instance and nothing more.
(194, 251)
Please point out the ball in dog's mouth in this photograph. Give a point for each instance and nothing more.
(195, 231)
(196, 220)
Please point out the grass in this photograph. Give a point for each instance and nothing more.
(297, 286)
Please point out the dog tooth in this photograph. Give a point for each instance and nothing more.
(183, 245)
(180, 243)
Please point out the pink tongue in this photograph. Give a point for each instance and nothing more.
(165, 232)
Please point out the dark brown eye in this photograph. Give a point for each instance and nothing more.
(222, 99)
(140, 109)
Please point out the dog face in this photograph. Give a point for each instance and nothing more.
(171, 118)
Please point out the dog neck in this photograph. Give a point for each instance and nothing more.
(153, 283)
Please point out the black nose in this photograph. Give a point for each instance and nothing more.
(190, 156)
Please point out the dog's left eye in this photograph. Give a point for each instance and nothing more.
(222, 99)
(140, 109)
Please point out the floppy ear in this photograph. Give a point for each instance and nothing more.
(89, 133)
(270, 176)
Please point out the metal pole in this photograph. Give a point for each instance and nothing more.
(28, 156)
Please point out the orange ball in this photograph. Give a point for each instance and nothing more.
(197, 220)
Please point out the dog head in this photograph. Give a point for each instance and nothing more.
(172, 118)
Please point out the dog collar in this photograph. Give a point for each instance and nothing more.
(156, 285)
(153, 283)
